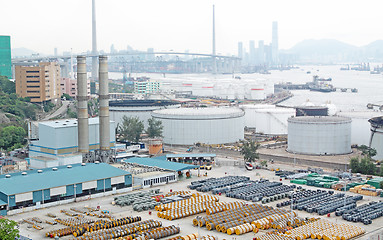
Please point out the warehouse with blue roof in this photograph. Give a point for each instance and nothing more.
(36, 187)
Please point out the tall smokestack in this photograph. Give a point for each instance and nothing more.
(214, 59)
(94, 42)
(104, 104)
(82, 108)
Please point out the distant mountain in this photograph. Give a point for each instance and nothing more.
(22, 52)
(334, 51)
(323, 46)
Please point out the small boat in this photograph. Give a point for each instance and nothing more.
(249, 166)
(343, 89)
(354, 90)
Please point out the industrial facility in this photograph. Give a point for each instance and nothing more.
(328, 135)
(57, 142)
(187, 126)
(377, 136)
(47, 185)
(267, 119)
(149, 172)
(138, 108)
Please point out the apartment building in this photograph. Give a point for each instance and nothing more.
(40, 83)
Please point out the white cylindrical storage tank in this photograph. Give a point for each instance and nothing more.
(377, 136)
(273, 121)
(137, 108)
(323, 135)
(186, 126)
(250, 113)
(360, 126)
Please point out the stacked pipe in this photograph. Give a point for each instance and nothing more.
(64, 231)
(241, 229)
(212, 183)
(193, 200)
(224, 207)
(187, 210)
(121, 231)
(114, 223)
(159, 233)
(341, 231)
(254, 214)
(74, 221)
(364, 213)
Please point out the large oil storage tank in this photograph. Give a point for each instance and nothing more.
(137, 108)
(267, 119)
(186, 126)
(360, 125)
(377, 136)
(311, 111)
(317, 135)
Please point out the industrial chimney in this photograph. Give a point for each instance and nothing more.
(104, 104)
(82, 108)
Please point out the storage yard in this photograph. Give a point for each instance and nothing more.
(237, 204)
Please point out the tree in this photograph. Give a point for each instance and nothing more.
(131, 129)
(8, 229)
(66, 96)
(11, 136)
(154, 128)
(6, 85)
(354, 164)
(367, 151)
(381, 184)
(249, 150)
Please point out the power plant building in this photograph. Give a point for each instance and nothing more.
(57, 142)
(46, 186)
(39, 83)
(5, 56)
(187, 126)
(328, 135)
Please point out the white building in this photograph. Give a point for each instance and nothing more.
(57, 142)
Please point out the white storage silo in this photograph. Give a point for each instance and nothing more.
(319, 135)
(186, 126)
(267, 118)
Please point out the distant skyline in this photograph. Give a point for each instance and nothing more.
(42, 25)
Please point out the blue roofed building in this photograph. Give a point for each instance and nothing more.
(43, 186)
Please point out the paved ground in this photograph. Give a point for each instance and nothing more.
(186, 223)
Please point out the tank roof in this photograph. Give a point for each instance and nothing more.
(376, 121)
(141, 103)
(199, 113)
(320, 119)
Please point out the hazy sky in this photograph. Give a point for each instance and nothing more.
(42, 25)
